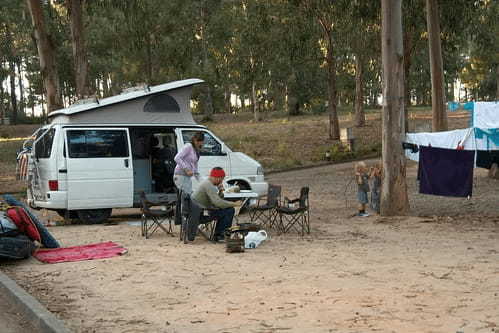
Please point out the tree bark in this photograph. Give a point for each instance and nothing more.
(227, 99)
(75, 8)
(254, 102)
(22, 104)
(451, 91)
(439, 121)
(31, 99)
(46, 54)
(208, 100)
(360, 117)
(105, 85)
(13, 97)
(334, 126)
(408, 40)
(394, 199)
(2, 106)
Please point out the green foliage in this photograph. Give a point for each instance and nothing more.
(276, 46)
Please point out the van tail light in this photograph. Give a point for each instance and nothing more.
(53, 185)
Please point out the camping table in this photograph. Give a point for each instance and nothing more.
(244, 195)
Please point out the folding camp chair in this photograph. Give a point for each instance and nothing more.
(297, 218)
(154, 219)
(194, 221)
(267, 213)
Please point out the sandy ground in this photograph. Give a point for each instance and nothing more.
(436, 271)
(12, 321)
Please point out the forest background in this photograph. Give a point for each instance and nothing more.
(259, 56)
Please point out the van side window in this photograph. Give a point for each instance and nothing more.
(211, 146)
(43, 147)
(97, 143)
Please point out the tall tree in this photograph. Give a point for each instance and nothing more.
(11, 59)
(360, 116)
(325, 12)
(439, 112)
(394, 199)
(362, 27)
(46, 54)
(75, 10)
(13, 96)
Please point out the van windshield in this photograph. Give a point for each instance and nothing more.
(211, 146)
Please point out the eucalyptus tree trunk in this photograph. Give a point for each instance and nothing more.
(408, 41)
(439, 119)
(254, 102)
(75, 8)
(334, 126)
(394, 199)
(207, 100)
(22, 104)
(360, 116)
(46, 55)
(105, 85)
(227, 98)
(2, 107)
(13, 97)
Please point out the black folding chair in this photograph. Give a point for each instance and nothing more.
(266, 213)
(154, 219)
(297, 218)
(194, 221)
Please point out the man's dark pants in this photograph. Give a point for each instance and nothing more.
(224, 218)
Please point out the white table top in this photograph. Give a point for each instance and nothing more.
(241, 194)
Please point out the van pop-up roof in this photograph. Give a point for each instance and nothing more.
(164, 103)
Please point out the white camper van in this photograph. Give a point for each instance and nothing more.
(99, 155)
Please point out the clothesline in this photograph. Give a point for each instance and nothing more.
(475, 139)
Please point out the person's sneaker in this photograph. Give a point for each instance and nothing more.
(363, 214)
(219, 239)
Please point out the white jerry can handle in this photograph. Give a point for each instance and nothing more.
(253, 239)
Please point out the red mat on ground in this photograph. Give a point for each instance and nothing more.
(79, 253)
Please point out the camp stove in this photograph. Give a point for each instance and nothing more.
(234, 236)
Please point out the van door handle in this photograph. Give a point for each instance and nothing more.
(63, 171)
(126, 162)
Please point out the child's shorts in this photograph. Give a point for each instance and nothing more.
(362, 197)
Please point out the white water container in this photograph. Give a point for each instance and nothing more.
(254, 239)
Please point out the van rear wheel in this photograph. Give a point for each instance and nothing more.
(94, 216)
(62, 213)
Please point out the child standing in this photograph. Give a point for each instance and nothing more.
(376, 187)
(362, 187)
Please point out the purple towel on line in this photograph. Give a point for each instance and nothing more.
(446, 172)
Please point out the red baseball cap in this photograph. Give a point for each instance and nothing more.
(217, 173)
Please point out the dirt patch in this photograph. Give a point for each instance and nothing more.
(437, 272)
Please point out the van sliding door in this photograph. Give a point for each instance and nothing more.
(99, 168)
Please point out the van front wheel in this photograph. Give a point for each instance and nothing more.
(94, 216)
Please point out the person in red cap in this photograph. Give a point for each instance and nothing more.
(207, 195)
